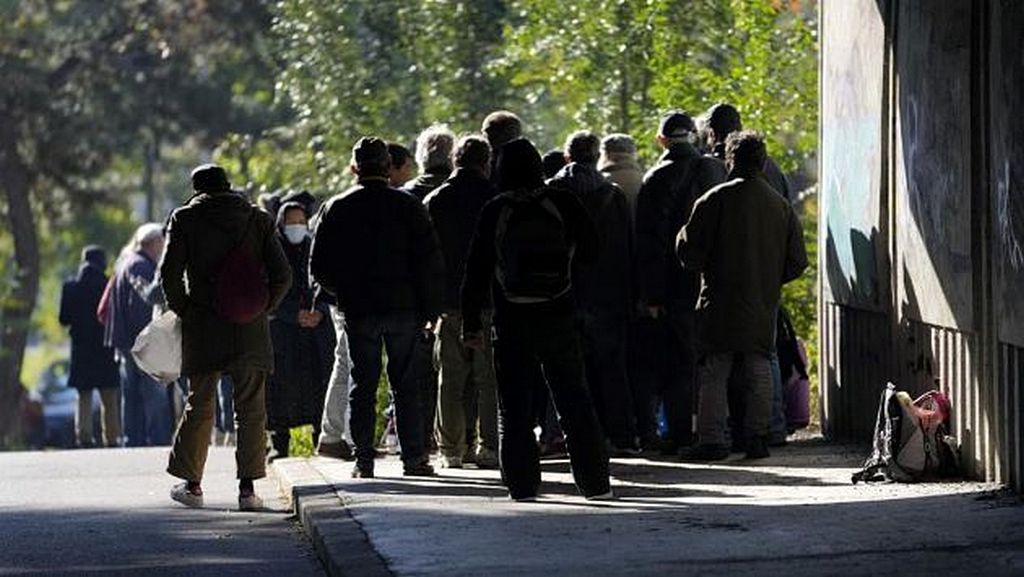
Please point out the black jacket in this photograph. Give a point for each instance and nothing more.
(664, 203)
(454, 209)
(426, 183)
(92, 364)
(480, 264)
(376, 252)
(603, 285)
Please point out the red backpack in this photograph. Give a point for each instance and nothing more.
(241, 292)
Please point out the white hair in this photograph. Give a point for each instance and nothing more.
(434, 147)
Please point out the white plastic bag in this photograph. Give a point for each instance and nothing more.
(157, 349)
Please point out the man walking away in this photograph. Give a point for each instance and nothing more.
(666, 293)
(92, 364)
(522, 253)
(376, 252)
(236, 273)
(603, 290)
(454, 209)
(746, 242)
(146, 406)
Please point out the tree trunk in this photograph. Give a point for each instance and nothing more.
(16, 309)
(149, 160)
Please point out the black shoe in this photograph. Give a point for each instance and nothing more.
(757, 448)
(340, 450)
(778, 440)
(423, 469)
(704, 453)
(363, 471)
(623, 452)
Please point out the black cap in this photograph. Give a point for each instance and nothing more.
(95, 255)
(676, 124)
(210, 178)
(372, 151)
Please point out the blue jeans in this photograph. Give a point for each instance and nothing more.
(397, 334)
(225, 405)
(146, 407)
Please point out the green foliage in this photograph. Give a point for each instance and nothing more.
(302, 442)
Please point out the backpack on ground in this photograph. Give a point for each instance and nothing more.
(241, 291)
(533, 250)
(911, 441)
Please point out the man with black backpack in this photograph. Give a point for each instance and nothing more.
(376, 252)
(525, 244)
(666, 293)
(236, 274)
(603, 289)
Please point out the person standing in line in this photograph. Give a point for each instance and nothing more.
(618, 163)
(454, 208)
(146, 406)
(434, 157)
(375, 251)
(522, 254)
(304, 344)
(666, 293)
(92, 363)
(603, 290)
(223, 273)
(403, 165)
(746, 241)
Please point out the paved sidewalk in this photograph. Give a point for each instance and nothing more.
(795, 514)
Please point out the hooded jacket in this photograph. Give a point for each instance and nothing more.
(199, 236)
(92, 363)
(604, 285)
(669, 190)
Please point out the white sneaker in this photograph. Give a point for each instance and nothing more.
(452, 462)
(181, 494)
(607, 496)
(250, 503)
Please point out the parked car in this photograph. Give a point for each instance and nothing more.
(55, 405)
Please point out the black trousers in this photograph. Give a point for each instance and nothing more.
(662, 367)
(604, 351)
(529, 349)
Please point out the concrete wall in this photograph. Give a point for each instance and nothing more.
(922, 225)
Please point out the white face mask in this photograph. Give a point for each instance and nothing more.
(296, 233)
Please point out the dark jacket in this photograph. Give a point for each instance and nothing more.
(92, 363)
(480, 264)
(376, 252)
(303, 357)
(199, 236)
(772, 174)
(454, 208)
(604, 285)
(746, 241)
(624, 171)
(130, 312)
(670, 188)
(426, 183)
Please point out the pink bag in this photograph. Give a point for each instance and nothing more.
(797, 394)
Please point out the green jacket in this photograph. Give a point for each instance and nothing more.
(746, 241)
(199, 235)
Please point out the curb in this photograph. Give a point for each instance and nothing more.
(340, 542)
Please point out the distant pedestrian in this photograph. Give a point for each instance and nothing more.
(619, 164)
(522, 253)
(454, 208)
(303, 339)
(92, 363)
(746, 242)
(434, 157)
(500, 127)
(666, 293)
(553, 160)
(403, 165)
(223, 272)
(603, 290)
(146, 406)
(376, 252)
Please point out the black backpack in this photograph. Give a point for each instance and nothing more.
(533, 249)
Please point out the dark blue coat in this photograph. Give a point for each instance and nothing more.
(92, 364)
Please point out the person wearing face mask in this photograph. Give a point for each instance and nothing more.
(303, 340)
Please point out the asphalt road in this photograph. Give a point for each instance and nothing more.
(107, 512)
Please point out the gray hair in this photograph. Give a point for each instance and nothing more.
(618, 144)
(434, 148)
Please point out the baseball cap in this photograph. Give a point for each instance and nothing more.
(675, 124)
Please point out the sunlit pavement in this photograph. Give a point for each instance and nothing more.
(107, 512)
(796, 514)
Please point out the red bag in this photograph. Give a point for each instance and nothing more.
(241, 292)
(103, 307)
